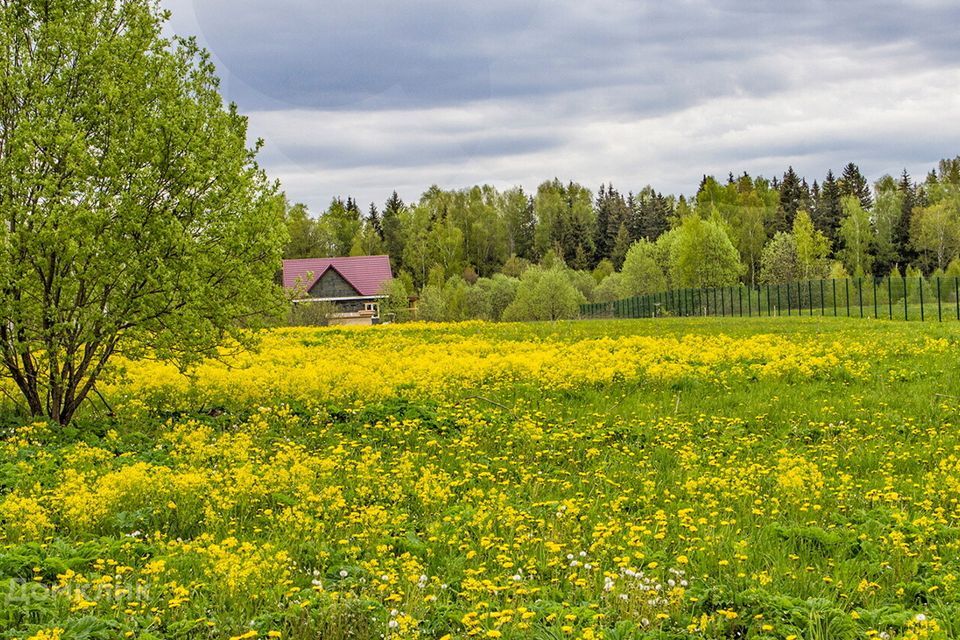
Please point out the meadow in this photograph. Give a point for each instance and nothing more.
(775, 478)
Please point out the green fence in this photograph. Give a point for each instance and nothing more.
(894, 298)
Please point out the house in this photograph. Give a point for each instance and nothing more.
(354, 285)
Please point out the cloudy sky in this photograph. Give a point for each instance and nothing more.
(360, 97)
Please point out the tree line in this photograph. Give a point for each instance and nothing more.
(482, 252)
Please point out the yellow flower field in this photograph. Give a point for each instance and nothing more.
(661, 479)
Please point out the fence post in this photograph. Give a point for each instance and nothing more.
(906, 312)
(834, 282)
(846, 289)
(860, 294)
(789, 301)
(823, 305)
(890, 295)
(922, 312)
(939, 306)
(876, 313)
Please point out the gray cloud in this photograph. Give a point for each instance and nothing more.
(361, 98)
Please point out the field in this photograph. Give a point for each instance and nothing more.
(788, 478)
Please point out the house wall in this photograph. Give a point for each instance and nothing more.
(332, 285)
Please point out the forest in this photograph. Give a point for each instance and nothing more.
(480, 252)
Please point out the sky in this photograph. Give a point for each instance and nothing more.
(362, 97)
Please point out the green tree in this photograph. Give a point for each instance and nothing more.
(812, 248)
(857, 236)
(135, 217)
(391, 221)
(545, 294)
(566, 221)
(829, 212)
(887, 219)
(305, 238)
(703, 255)
(936, 233)
(852, 183)
(642, 270)
(779, 262)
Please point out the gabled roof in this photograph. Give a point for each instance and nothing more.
(367, 274)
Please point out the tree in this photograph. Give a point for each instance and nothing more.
(566, 221)
(516, 208)
(812, 248)
(642, 271)
(794, 195)
(545, 294)
(134, 216)
(852, 183)
(779, 262)
(887, 219)
(901, 234)
(390, 221)
(703, 255)
(828, 212)
(936, 234)
(305, 238)
(857, 235)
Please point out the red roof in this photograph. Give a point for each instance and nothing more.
(367, 274)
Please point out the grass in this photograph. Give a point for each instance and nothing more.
(669, 478)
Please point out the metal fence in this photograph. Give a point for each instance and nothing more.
(894, 298)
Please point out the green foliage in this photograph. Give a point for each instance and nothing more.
(545, 294)
(147, 224)
(812, 248)
(857, 237)
(703, 255)
(642, 271)
(779, 261)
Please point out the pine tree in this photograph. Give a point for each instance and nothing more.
(852, 183)
(901, 232)
(373, 219)
(829, 211)
(792, 198)
(393, 231)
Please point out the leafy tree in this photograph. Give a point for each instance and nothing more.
(936, 233)
(703, 255)
(135, 217)
(779, 262)
(397, 303)
(857, 236)
(498, 291)
(603, 269)
(642, 271)
(520, 220)
(341, 221)
(812, 248)
(305, 239)
(545, 294)
(610, 288)
(887, 218)
(566, 221)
